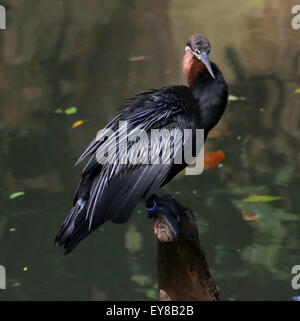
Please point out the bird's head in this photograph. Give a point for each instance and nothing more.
(196, 57)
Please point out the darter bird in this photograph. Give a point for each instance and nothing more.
(111, 191)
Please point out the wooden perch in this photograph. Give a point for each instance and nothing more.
(182, 270)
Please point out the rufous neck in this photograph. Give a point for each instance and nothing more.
(192, 69)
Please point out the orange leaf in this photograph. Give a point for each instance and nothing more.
(248, 216)
(213, 159)
(215, 134)
(79, 123)
(137, 58)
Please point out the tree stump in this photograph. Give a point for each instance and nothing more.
(182, 270)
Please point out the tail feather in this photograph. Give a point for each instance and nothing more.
(72, 224)
(82, 230)
(114, 201)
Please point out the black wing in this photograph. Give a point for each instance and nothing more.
(111, 191)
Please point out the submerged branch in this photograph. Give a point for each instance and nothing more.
(182, 270)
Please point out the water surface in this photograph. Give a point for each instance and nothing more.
(59, 54)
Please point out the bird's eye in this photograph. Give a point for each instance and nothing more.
(197, 51)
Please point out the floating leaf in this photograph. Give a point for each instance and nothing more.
(151, 294)
(141, 279)
(235, 98)
(213, 159)
(137, 58)
(16, 194)
(248, 216)
(58, 111)
(266, 213)
(297, 91)
(215, 134)
(261, 198)
(71, 110)
(79, 123)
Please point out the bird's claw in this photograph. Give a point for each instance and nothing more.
(166, 209)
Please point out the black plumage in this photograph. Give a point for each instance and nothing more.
(111, 191)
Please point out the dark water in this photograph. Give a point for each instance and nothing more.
(59, 54)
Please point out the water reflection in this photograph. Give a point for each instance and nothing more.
(55, 54)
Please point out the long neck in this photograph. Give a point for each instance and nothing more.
(211, 94)
(194, 70)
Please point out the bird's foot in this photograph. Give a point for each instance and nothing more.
(166, 213)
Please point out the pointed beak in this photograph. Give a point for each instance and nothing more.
(205, 59)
